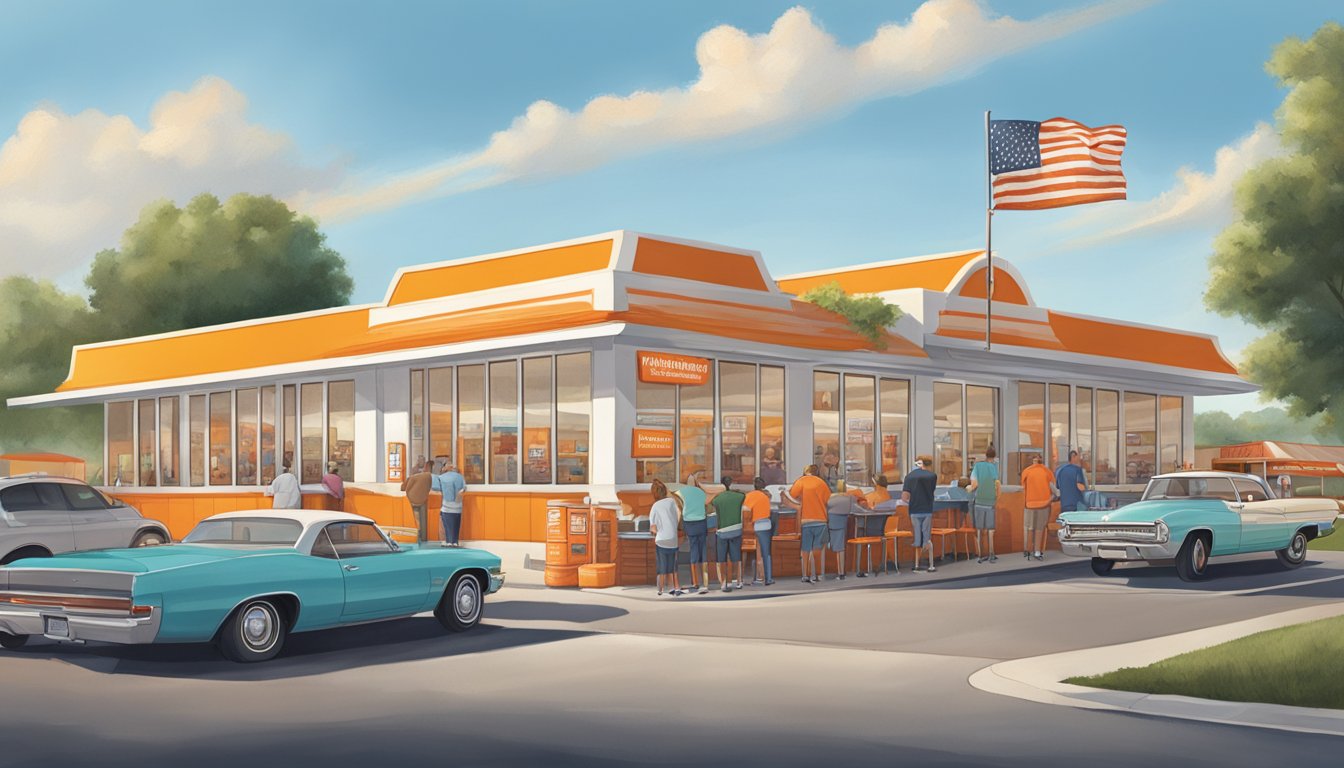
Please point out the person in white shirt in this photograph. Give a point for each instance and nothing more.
(663, 518)
(284, 490)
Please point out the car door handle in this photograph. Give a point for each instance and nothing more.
(352, 567)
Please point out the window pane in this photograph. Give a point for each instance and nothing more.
(982, 424)
(120, 443)
(146, 416)
(417, 414)
(773, 468)
(471, 422)
(895, 403)
(290, 433)
(1171, 433)
(1108, 437)
(1059, 425)
(441, 413)
(574, 396)
(1030, 426)
(267, 435)
(168, 440)
(197, 417)
(537, 405)
(1140, 436)
(737, 413)
(310, 418)
(247, 437)
(696, 438)
(504, 422)
(221, 438)
(341, 428)
(656, 410)
(826, 425)
(860, 410)
(1083, 395)
(949, 458)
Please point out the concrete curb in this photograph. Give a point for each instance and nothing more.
(1037, 679)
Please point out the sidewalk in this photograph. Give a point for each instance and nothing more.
(1037, 679)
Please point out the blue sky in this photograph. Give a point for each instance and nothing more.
(320, 102)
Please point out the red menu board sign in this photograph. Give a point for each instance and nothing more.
(664, 368)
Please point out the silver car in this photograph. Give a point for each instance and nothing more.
(42, 516)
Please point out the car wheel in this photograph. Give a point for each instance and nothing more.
(1192, 562)
(147, 539)
(12, 641)
(1101, 566)
(254, 632)
(1295, 553)
(462, 603)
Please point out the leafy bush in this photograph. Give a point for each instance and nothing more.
(868, 315)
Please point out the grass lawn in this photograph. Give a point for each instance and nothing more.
(1297, 665)
(1331, 543)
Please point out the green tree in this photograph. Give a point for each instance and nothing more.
(868, 315)
(1280, 265)
(1214, 428)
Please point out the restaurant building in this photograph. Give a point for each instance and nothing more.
(591, 366)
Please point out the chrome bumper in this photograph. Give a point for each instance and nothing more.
(1118, 550)
(83, 626)
(496, 581)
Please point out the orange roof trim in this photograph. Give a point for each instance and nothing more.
(485, 274)
(1006, 289)
(48, 457)
(735, 270)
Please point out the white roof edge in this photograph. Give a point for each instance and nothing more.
(877, 264)
(220, 327)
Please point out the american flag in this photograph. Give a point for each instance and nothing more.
(1054, 164)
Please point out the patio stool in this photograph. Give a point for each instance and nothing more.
(749, 546)
(867, 542)
(943, 533)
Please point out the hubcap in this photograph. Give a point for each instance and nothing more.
(1200, 556)
(1298, 549)
(468, 600)
(258, 628)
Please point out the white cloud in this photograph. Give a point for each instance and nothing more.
(71, 184)
(793, 74)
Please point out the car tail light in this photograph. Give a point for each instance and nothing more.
(141, 611)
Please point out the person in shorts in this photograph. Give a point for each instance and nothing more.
(663, 525)
(693, 522)
(984, 490)
(839, 507)
(1038, 487)
(758, 515)
(809, 495)
(728, 546)
(917, 492)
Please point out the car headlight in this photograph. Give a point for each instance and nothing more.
(1064, 532)
(1163, 532)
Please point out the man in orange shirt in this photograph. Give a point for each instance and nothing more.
(756, 514)
(809, 495)
(1038, 485)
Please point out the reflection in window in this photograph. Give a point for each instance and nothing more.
(471, 422)
(504, 422)
(290, 433)
(949, 459)
(696, 424)
(341, 428)
(1059, 425)
(982, 424)
(1030, 426)
(656, 411)
(895, 405)
(773, 469)
(537, 409)
(196, 416)
(441, 413)
(247, 437)
(310, 423)
(120, 443)
(1171, 433)
(574, 408)
(168, 440)
(1140, 436)
(1083, 395)
(418, 456)
(737, 428)
(221, 438)
(859, 412)
(826, 425)
(267, 435)
(146, 417)
(1108, 437)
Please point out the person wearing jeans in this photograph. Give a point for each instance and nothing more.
(756, 513)
(453, 487)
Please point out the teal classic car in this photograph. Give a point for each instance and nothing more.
(1188, 517)
(245, 580)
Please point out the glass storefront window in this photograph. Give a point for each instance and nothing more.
(417, 457)
(537, 411)
(574, 409)
(146, 423)
(894, 401)
(773, 469)
(169, 440)
(121, 443)
(1140, 437)
(826, 425)
(290, 433)
(267, 434)
(1108, 437)
(859, 414)
(982, 424)
(1030, 426)
(737, 414)
(656, 410)
(695, 437)
(441, 413)
(1059, 425)
(341, 428)
(1083, 395)
(1171, 428)
(221, 438)
(471, 422)
(310, 418)
(247, 437)
(196, 417)
(504, 422)
(949, 459)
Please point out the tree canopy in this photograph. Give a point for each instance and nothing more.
(869, 315)
(1280, 264)
(1215, 428)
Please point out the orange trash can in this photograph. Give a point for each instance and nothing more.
(597, 575)
(562, 575)
(568, 526)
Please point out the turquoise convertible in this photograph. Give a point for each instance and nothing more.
(1189, 517)
(244, 580)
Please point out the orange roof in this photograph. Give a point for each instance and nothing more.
(54, 458)
(934, 274)
(736, 270)
(457, 278)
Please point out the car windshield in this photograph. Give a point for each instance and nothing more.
(1190, 488)
(269, 531)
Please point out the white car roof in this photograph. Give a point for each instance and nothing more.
(304, 517)
(1209, 473)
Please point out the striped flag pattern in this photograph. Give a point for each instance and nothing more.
(1054, 164)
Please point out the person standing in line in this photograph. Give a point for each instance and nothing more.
(453, 487)
(839, 507)
(416, 487)
(663, 517)
(728, 505)
(985, 489)
(693, 513)
(757, 513)
(917, 491)
(334, 486)
(1285, 486)
(809, 495)
(879, 493)
(1038, 486)
(1072, 482)
(284, 490)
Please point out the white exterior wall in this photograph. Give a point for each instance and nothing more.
(609, 462)
(394, 398)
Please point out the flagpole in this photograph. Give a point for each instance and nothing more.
(989, 232)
